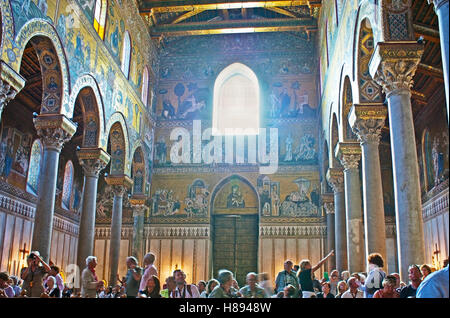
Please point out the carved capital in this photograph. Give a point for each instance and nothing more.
(335, 178)
(329, 207)
(349, 153)
(394, 64)
(139, 210)
(10, 84)
(437, 3)
(54, 130)
(92, 160)
(7, 93)
(367, 121)
(119, 190)
(119, 183)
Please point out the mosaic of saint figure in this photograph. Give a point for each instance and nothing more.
(235, 198)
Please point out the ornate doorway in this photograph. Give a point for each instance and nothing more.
(235, 228)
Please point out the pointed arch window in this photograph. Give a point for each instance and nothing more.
(236, 102)
(67, 185)
(126, 54)
(144, 93)
(100, 17)
(35, 167)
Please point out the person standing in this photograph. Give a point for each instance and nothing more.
(388, 290)
(286, 277)
(133, 277)
(435, 285)
(89, 280)
(252, 290)
(184, 290)
(224, 289)
(375, 276)
(305, 275)
(415, 278)
(33, 275)
(353, 291)
(149, 270)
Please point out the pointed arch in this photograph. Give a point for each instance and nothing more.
(117, 148)
(66, 197)
(118, 118)
(347, 103)
(87, 92)
(54, 68)
(100, 10)
(138, 172)
(145, 86)
(236, 102)
(334, 139)
(126, 54)
(226, 180)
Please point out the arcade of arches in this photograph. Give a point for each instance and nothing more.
(106, 146)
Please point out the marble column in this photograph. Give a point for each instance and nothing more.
(328, 204)
(93, 161)
(10, 84)
(119, 184)
(393, 66)
(335, 178)
(139, 210)
(366, 122)
(442, 7)
(349, 153)
(53, 130)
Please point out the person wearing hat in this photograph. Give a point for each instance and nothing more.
(34, 274)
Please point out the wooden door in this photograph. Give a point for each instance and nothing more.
(235, 245)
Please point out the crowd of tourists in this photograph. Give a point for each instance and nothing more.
(40, 279)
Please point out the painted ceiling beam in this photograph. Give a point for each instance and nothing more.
(191, 5)
(186, 15)
(236, 26)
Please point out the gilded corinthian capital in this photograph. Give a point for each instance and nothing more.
(367, 121)
(93, 161)
(349, 153)
(394, 64)
(54, 130)
(335, 178)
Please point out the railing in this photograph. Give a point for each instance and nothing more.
(436, 204)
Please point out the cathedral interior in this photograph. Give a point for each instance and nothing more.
(224, 134)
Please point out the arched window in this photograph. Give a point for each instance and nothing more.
(35, 167)
(236, 101)
(126, 54)
(67, 185)
(144, 93)
(100, 17)
(427, 160)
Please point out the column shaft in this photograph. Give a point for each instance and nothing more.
(331, 239)
(87, 221)
(408, 206)
(354, 215)
(340, 231)
(138, 235)
(43, 220)
(116, 230)
(442, 13)
(374, 220)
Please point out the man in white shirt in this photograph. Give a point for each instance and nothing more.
(183, 290)
(353, 291)
(150, 270)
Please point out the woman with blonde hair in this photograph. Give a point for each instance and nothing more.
(342, 287)
(305, 275)
(388, 290)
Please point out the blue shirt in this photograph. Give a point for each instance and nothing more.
(434, 285)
